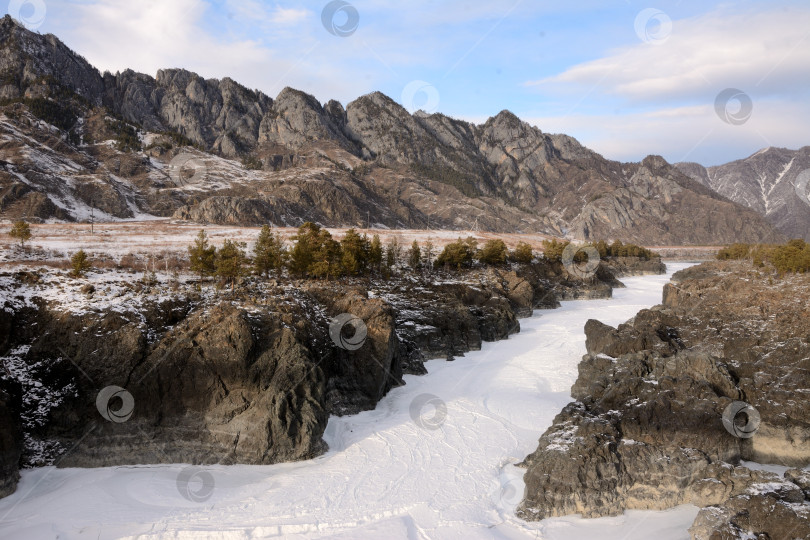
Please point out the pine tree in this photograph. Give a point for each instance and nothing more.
(21, 231)
(553, 249)
(355, 253)
(393, 252)
(493, 252)
(230, 261)
(201, 255)
(304, 248)
(428, 253)
(327, 257)
(80, 263)
(415, 256)
(522, 254)
(457, 254)
(375, 253)
(617, 249)
(315, 253)
(269, 252)
(602, 248)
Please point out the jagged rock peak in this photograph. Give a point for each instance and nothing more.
(376, 98)
(654, 162)
(508, 160)
(505, 118)
(8, 22)
(293, 97)
(336, 113)
(26, 57)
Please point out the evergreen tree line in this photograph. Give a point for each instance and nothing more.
(553, 250)
(791, 257)
(314, 253)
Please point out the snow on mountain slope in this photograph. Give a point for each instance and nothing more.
(765, 182)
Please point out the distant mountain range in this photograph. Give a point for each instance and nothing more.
(767, 183)
(130, 146)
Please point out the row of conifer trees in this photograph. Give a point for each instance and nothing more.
(314, 253)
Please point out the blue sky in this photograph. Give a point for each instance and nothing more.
(591, 69)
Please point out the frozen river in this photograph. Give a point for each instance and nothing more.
(434, 460)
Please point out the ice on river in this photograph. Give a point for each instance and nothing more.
(434, 460)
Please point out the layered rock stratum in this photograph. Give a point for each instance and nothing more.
(647, 428)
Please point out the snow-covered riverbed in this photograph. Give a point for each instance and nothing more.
(434, 460)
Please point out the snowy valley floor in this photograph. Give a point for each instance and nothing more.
(390, 473)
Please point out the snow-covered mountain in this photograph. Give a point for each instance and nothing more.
(772, 181)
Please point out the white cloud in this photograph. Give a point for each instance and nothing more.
(254, 12)
(690, 133)
(155, 34)
(289, 16)
(248, 10)
(152, 34)
(763, 53)
(664, 93)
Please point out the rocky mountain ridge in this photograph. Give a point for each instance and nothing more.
(371, 161)
(773, 182)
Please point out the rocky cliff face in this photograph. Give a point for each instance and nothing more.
(376, 160)
(633, 266)
(222, 116)
(31, 63)
(117, 372)
(772, 507)
(767, 182)
(651, 426)
(11, 443)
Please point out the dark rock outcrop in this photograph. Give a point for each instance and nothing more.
(772, 507)
(635, 266)
(647, 430)
(11, 444)
(225, 385)
(358, 379)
